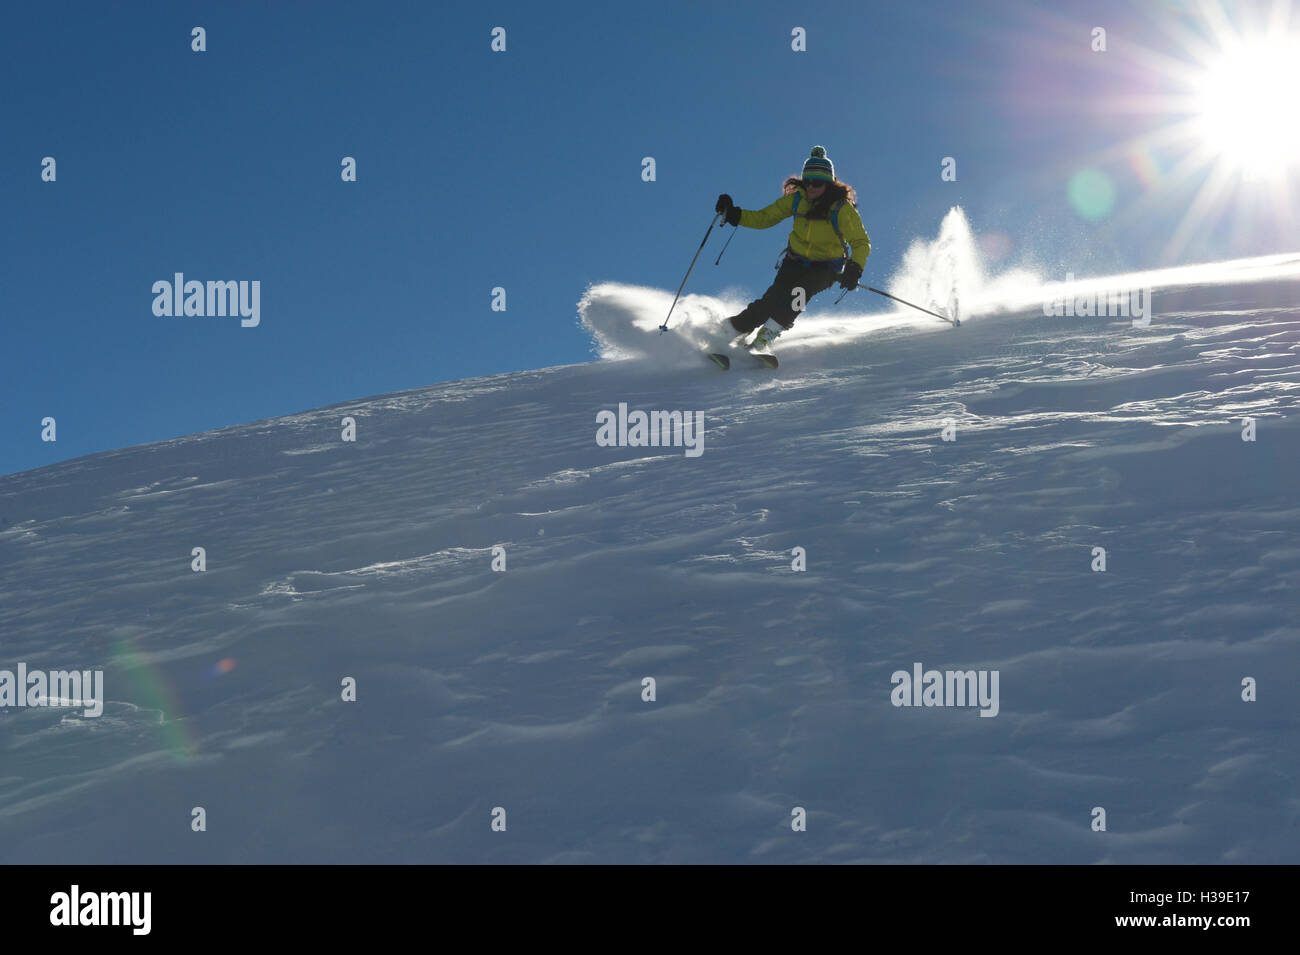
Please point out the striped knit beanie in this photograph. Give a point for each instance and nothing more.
(818, 166)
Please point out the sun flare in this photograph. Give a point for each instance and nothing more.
(1246, 106)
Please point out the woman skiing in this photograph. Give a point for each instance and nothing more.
(826, 226)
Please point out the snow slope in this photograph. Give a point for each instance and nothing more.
(522, 689)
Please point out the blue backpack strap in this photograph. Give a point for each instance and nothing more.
(835, 224)
(835, 221)
(794, 208)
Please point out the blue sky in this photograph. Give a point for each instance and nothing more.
(519, 169)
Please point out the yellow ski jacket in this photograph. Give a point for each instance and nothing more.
(814, 239)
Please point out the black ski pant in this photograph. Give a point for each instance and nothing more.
(778, 301)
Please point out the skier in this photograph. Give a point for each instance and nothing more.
(826, 225)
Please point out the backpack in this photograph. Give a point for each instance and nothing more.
(835, 224)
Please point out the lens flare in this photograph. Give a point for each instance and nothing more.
(153, 692)
(1091, 193)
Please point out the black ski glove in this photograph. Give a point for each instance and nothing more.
(852, 273)
(729, 209)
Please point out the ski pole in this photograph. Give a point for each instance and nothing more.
(944, 317)
(954, 322)
(664, 327)
(724, 245)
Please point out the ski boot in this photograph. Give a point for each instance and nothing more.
(761, 346)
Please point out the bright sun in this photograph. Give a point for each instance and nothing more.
(1247, 110)
(1214, 114)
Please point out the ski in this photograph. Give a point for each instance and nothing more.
(722, 361)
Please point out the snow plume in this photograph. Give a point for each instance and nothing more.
(624, 320)
(949, 270)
